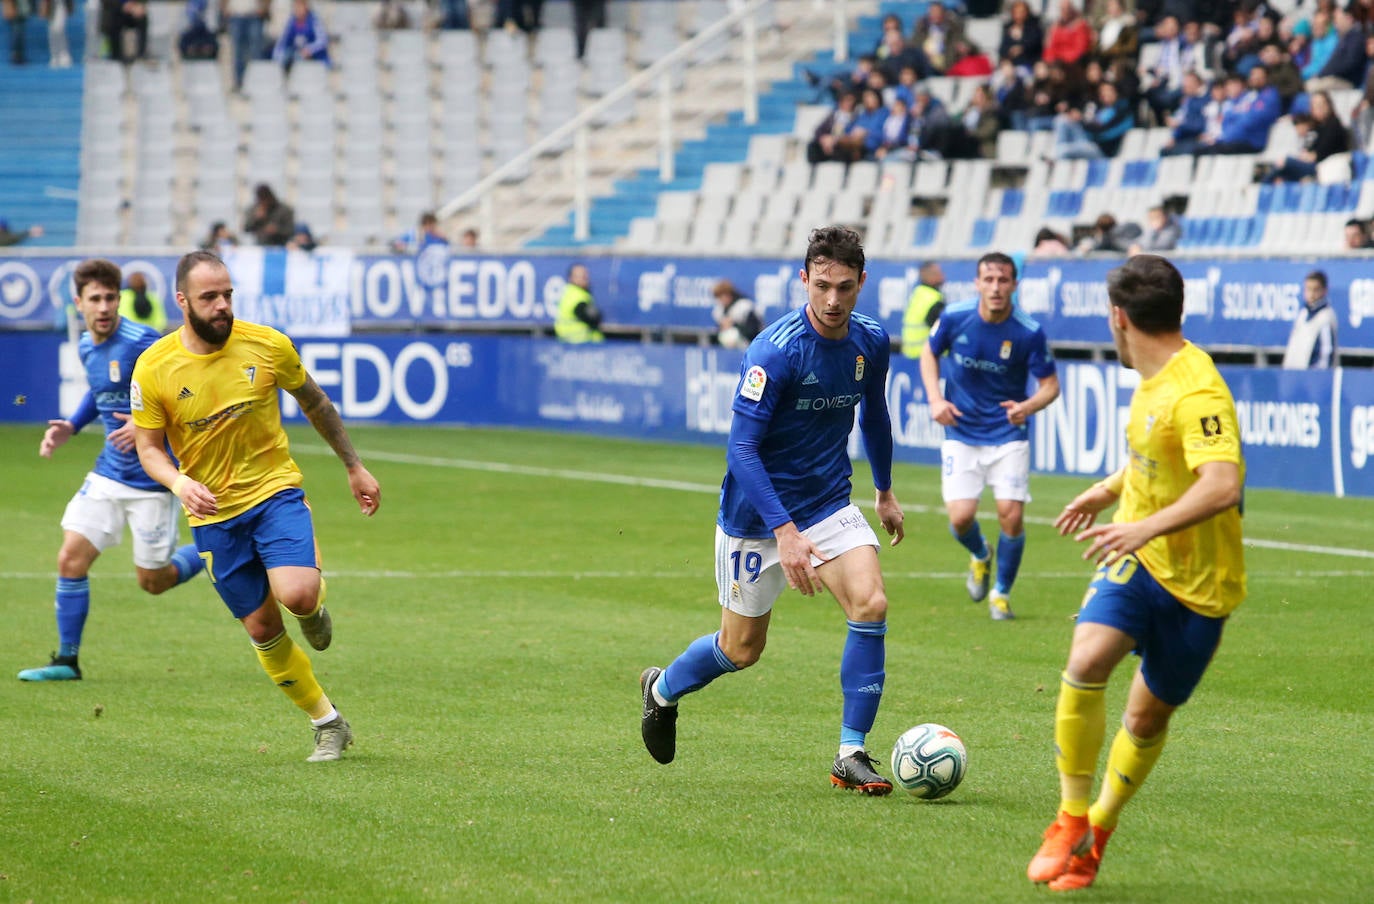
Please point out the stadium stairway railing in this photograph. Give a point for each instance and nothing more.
(726, 142)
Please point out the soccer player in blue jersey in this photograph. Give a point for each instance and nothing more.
(989, 350)
(785, 518)
(116, 491)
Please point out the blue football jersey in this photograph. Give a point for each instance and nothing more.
(798, 393)
(109, 367)
(987, 364)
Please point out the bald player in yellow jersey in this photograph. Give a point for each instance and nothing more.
(211, 390)
(1170, 567)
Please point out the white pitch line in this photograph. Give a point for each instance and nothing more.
(479, 574)
(684, 486)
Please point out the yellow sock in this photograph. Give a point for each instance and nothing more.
(289, 668)
(1128, 765)
(1080, 724)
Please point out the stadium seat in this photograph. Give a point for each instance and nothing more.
(1133, 143)
(848, 208)
(929, 179)
(642, 235)
(737, 234)
(1013, 147)
(862, 177)
(1335, 169)
(721, 178)
(713, 207)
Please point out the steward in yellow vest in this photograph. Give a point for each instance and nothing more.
(578, 319)
(923, 309)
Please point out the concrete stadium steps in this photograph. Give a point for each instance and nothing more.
(40, 150)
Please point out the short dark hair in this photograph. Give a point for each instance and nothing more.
(99, 271)
(190, 261)
(996, 257)
(835, 243)
(1150, 290)
(1318, 276)
(1354, 221)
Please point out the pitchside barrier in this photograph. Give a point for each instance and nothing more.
(1310, 431)
(1232, 305)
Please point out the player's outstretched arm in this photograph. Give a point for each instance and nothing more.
(942, 411)
(58, 432)
(324, 417)
(1083, 510)
(890, 515)
(152, 454)
(795, 550)
(1046, 391)
(122, 437)
(1217, 489)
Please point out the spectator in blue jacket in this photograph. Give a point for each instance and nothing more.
(896, 128)
(302, 38)
(1322, 44)
(1189, 121)
(1096, 132)
(1346, 65)
(866, 131)
(1245, 124)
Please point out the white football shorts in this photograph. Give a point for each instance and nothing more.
(750, 579)
(965, 470)
(102, 507)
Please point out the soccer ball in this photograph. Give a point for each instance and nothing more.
(929, 761)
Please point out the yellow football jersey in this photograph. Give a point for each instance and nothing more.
(1183, 417)
(221, 412)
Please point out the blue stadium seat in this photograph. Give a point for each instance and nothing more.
(1309, 200)
(926, 230)
(983, 231)
(1064, 204)
(1013, 199)
(1139, 173)
(1098, 171)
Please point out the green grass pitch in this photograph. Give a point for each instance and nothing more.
(490, 626)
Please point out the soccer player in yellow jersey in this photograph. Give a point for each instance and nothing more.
(211, 389)
(1170, 567)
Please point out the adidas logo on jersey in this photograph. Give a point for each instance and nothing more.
(962, 340)
(185, 393)
(810, 380)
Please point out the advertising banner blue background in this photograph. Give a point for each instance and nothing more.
(1230, 304)
(1308, 431)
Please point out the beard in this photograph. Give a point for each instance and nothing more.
(214, 331)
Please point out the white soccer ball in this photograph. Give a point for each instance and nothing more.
(929, 761)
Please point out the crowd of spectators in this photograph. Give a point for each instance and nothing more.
(1219, 74)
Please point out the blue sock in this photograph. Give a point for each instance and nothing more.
(700, 664)
(972, 541)
(1009, 550)
(188, 562)
(861, 680)
(73, 602)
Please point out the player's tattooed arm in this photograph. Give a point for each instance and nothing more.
(324, 417)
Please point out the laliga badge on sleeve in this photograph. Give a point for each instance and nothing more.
(135, 397)
(754, 381)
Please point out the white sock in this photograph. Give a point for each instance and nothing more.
(658, 695)
(325, 719)
(848, 750)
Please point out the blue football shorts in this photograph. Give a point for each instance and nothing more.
(238, 552)
(1174, 643)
